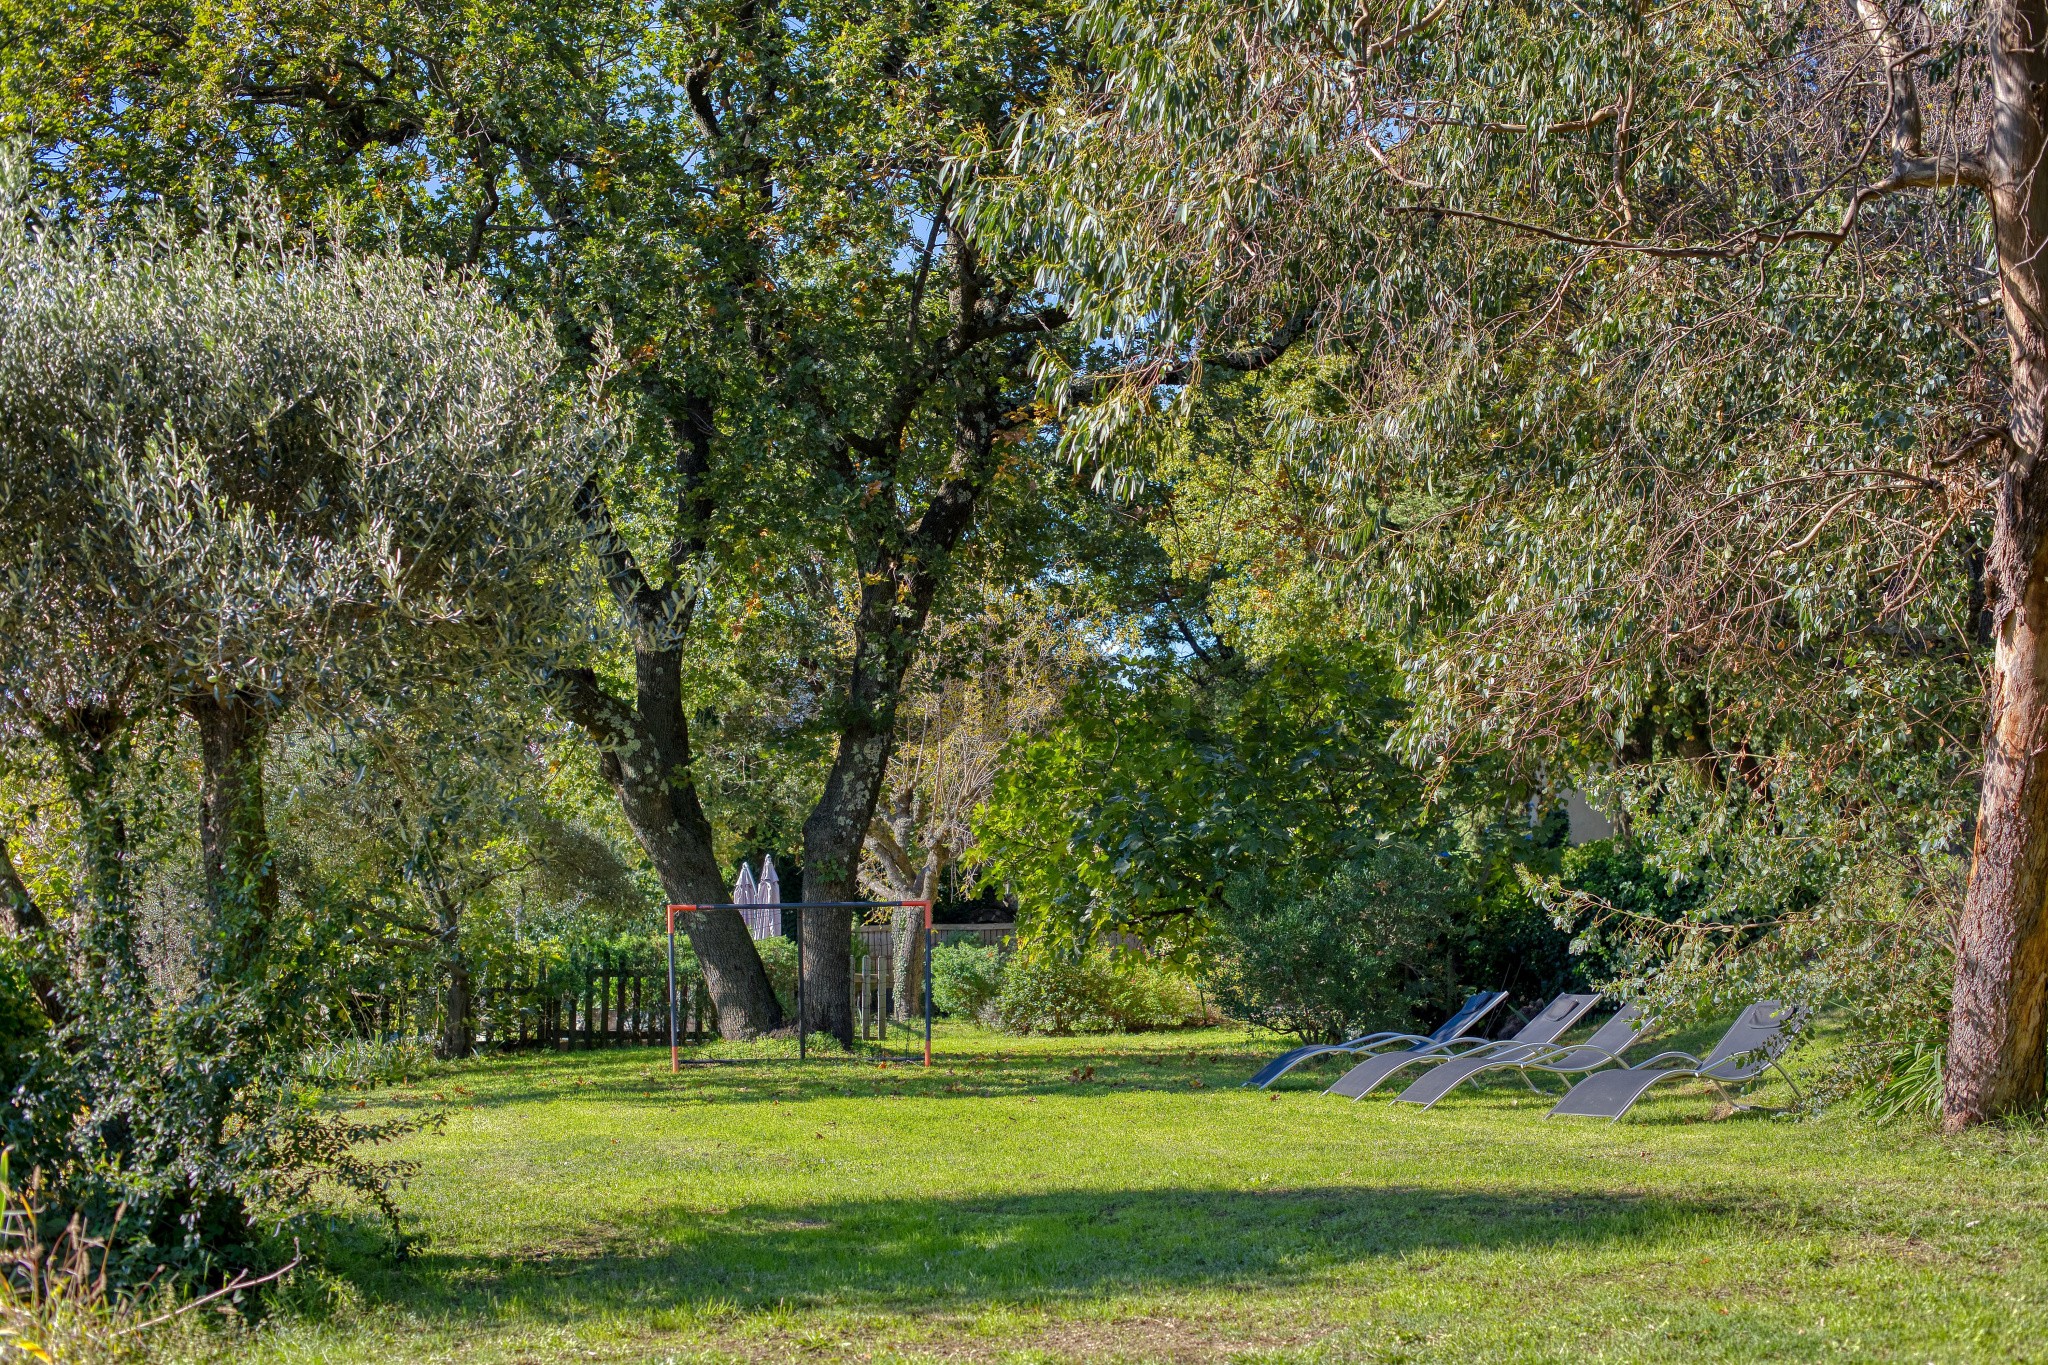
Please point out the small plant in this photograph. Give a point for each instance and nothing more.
(54, 1304)
(778, 959)
(1911, 1085)
(366, 1063)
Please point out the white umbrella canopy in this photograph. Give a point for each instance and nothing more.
(744, 891)
(768, 891)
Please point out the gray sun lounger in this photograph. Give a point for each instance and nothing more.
(1751, 1044)
(1469, 1014)
(1606, 1045)
(1361, 1080)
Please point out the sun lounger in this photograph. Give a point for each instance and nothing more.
(1468, 1015)
(1606, 1045)
(1547, 1027)
(1751, 1044)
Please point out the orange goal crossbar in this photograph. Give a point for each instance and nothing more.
(674, 1049)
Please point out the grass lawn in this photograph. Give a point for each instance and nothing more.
(1011, 1205)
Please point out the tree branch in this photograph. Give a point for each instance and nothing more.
(1242, 360)
(1912, 168)
(651, 613)
(700, 101)
(1402, 35)
(608, 721)
(882, 840)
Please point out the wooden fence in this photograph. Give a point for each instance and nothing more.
(594, 1005)
(602, 1004)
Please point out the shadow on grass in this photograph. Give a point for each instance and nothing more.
(640, 1076)
(944, 1254)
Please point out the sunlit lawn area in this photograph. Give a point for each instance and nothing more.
(1009, 1204)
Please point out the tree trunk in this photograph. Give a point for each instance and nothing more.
(456, 1042)
(234, 843)
(1996, 1023)
(91, 745)
(456, 1039)
(900, 569)
(906, 963)
(833, 836)
(644, 753)
(891, 838)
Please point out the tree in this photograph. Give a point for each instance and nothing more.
(983, 682)
(754, 202)
(270, 474)
(1159, 788)
(1656, 386)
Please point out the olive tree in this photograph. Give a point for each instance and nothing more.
(266, 472)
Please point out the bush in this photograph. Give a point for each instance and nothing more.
(778, 959)
(1372, 948)
(966, 978)
(1044, 992)
(179, 1142)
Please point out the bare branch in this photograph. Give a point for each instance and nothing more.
(1241, 360)
(882, 842)
(1912, 168)
(1402, 35)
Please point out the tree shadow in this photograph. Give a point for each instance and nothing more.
(641, 1077)
(952, 1253)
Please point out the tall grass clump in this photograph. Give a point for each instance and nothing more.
(366, 1063)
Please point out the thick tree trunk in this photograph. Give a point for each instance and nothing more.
(901, 569)
(833, 836)
(644, 753)
(234, 841)
(1996, 1024)
(456, 1036)
(91, 744)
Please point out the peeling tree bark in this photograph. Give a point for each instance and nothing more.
(1996, 1024)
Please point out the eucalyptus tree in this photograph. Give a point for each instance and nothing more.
(1685, 369)
(747, 204)
(268, 473)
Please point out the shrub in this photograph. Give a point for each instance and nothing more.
(1372, 948)
(778, 958)
(1044, 992)
(178, 1141)
(966, 977)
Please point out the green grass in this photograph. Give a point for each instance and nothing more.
(1007, 1206)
